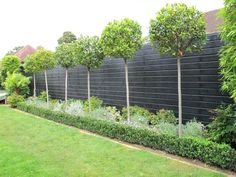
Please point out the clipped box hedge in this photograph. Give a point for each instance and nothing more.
(221, 155)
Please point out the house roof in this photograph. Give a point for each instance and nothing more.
(213, 21)
(24, 52)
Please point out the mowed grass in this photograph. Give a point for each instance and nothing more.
(31, 146)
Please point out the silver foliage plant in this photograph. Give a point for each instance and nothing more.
(111, 113)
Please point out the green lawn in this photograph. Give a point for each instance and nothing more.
(31, 146)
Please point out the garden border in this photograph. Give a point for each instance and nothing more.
(220, 155)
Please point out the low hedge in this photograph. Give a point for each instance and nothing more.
(221, 155)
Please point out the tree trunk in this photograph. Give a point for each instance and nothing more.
(127, 90)
(46, 83)
(66, 85)
(34, 85)
(89, 90)
(179, 96)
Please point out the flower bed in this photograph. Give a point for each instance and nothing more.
(221, 155)
(163, 122)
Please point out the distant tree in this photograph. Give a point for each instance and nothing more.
(90, 55)
(46, 61)
(122, 39)
(67, 37)
(14, 50)
(9, 64)
(176, 30)
(228, 51)
(65, 57)
(32, 66)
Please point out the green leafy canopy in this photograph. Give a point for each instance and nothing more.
(65, 55)
(122, 38)
(67, 37)
(8, 65)
(31, 64)
(228, 51)
(178, 29)
(45, 58)
(89, 51)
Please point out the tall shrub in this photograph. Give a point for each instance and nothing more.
(17, 83)
(65, 57)
(178, 29)
(228, 51)
(90, 55)
(223, 128)
(9, 64)
(32, 66)
(122, 39)
(46, 61)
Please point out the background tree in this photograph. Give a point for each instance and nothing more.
(177, 30)
(9, 64)
(14, 50)
(122, 39)
(46, 61)
(90, 55)
(67, 37)
(31, 65)
(228, 51)
(65, 57)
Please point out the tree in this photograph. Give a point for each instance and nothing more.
(9, 65)
(177, 30)
(46, 61)
(228, 51)
(31, 65)
(17, 83)
(122, 39)
(90, 54)
(14, 50)
(65, 57)
(67, 37)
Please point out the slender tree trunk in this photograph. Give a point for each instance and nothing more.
(46, 83)
(34, 85)
(89, 90)
(127, 89)
(66, 85)
(179, 95)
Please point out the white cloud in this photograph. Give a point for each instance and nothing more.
(42, 22)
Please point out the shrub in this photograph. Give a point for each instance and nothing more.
(17, 83)
(135, 124)
(107, 113)
(9, 65)
(166, 128)
(74, 108)
(14, 99)
(137, 118)
(193, 128)
(164, 115)
(43, 96)
(95, 103)
(136, 111)
(223, 127)
(113, 113)
(209, 152)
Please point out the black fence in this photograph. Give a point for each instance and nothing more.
(152, 81)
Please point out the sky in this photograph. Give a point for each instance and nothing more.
(42, 22)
